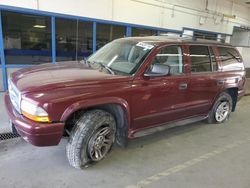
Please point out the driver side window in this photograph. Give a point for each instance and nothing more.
(171, 56)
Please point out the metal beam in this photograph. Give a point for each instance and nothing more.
(53, 38)
(94, 37)
(128, 31)
(4, 73)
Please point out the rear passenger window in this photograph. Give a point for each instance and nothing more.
(171, 56)
(230, 59)
(200, 60)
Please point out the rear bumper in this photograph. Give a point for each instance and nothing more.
(38, 134)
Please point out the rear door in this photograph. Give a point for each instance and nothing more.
(204, 82)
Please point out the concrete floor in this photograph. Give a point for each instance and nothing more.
(4, 127)
(192, 156)
(248, 86)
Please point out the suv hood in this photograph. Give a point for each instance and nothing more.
(51, 76)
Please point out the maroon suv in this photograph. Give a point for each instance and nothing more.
(129, 88)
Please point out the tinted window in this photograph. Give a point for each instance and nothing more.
(230, 58)
(73, 39)
(27, 38)
(172, 56)
(200, 60)
(106, 33)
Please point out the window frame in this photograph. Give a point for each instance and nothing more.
(229, 47)
(75, 54)
(183, 60)
(190, 61)
(211, 49)
(219, 59)
(25, 51)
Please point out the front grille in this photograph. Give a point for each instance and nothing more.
(15, 96)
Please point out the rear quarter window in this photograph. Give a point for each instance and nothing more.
(230, 59)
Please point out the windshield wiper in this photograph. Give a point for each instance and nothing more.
(85, 61)
(107, 68)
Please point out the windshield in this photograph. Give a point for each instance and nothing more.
(121, 56)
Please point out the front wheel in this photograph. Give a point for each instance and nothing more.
(91, 138)
(221, 109)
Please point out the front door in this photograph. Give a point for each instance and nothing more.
(160, 99)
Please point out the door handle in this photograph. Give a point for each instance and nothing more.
(220, 82)
(183, 86)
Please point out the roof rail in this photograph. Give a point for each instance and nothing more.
(205, 39)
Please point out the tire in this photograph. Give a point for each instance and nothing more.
(91, 138)
(221, 109)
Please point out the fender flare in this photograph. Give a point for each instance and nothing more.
(87, 103)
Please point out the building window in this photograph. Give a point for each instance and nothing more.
(85, 39)
(143, 32)
(106, 33)
(73, 39)
(204, 35)
(27, 38)
(200, 59)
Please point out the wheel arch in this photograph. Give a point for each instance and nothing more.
(119, 108)
(233, 92)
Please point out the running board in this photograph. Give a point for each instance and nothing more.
(163, 127)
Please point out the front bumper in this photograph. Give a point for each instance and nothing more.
(38, 134)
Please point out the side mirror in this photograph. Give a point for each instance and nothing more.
(157, 70)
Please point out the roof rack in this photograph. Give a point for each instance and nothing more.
(191, 38)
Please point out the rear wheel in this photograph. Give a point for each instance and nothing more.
(91, 138)
(221, 109)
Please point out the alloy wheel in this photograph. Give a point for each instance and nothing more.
(222, 111)
(100, 143)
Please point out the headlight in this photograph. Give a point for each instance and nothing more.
(34, 112)
(15, 95)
